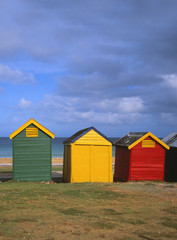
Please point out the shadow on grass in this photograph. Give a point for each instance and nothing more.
(171, 223)
(111, 212)
(6, 179)
(104, 225)
(73, 212)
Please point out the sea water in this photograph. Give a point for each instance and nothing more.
(57, 147)
(6, 147)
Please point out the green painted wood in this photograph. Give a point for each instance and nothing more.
(32, 157)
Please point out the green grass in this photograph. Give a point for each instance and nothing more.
(169, 222)
(88, 211)
(72, 211)
(5, 169)
(57, 168)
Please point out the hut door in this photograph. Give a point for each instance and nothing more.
(81, 164)
(99, 164)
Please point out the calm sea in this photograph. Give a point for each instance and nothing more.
(57, 147)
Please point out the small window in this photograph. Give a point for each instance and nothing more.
(32, 132)
(148, 143)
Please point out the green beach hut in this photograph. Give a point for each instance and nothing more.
(32, 152)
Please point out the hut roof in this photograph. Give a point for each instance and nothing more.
(38, 125)
(81, 133)
(133, 138)
(171, 139)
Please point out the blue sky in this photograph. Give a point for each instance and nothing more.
(70, 64)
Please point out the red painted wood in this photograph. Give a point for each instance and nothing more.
(122, 162)
(140, 163)
(147, 163)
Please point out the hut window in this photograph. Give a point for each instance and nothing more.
(148, 143)
(32, 132)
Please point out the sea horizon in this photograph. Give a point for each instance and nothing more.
(57, 147)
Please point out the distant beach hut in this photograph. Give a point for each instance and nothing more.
(32, 152)
(140, 156)
(171, 157)
(88, 157)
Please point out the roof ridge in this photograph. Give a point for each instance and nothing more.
(131, 140)
(37, 124)
(82, 132)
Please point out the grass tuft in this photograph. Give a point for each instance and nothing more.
(105, 225)
(133, 221)
(171, 223)
(73, 212)
(171, 210)
(112, 212)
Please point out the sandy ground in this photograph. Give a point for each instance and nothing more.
(54, 160)
(9, 160)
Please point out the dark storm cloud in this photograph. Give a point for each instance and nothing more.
(113, 52)
(161, 98)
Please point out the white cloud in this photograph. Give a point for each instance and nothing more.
(130, 105)
(64, 114)
(23, 104)
(170, 80)
(68, 110)
(15, 76)
(109, 117)
(122, 105)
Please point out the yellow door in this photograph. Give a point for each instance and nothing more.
(101, 169)
(80, 163)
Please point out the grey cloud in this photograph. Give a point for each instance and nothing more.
(67, 29)
(106, 67)
(160, 98)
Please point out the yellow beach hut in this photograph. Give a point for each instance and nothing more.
(87, 157)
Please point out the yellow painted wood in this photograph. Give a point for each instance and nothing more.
(32, 121)
(101, 170)
(80, 163)
(89, 163)
(149, 134)
(93, 137)
(148, 144)
(31, 132)
(90, 159)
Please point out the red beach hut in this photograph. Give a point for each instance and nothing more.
(140, 156)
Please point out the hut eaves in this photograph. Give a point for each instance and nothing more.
(171, 139)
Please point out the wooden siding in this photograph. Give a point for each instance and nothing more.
(32, 157)
(89, 163)
(92, 137)
(80, 163)
(147, 163)
(67, 164)
(171, 165)
(122, 163)
(101, 170)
